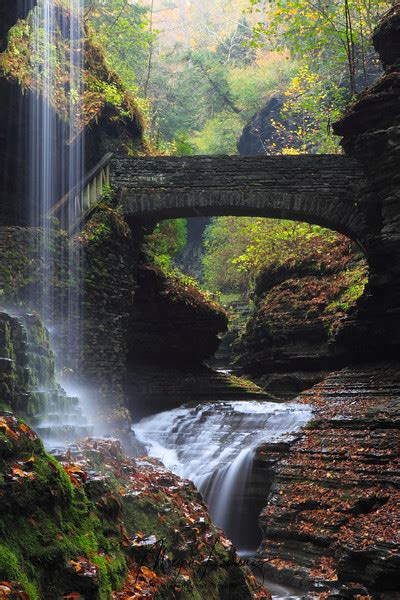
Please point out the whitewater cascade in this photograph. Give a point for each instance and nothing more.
(56, 151)
(213, 445)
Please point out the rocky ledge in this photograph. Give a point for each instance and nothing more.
(171, 321)
(155, 387)
(331, 522)
(289, 342)
(98, 525)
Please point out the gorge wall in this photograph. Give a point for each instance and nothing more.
(109, 125)
(288, 343)
(370, 133)
(149, 331)
(331, 522)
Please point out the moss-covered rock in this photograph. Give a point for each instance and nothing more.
(102, 88)
(26, 365)
(111, 118)
(98, 522)
(48, 525)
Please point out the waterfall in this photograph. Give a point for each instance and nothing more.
(55, 149)
(213, 444)
(56, 156)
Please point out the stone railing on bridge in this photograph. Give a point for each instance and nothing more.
(76, 205)
(320, 189)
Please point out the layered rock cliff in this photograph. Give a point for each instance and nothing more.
(151, 332)
(289, 341)
(331, 522)
(370, 133)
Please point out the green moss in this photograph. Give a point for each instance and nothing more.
(103, 89)
(45, 522)
(10, 570)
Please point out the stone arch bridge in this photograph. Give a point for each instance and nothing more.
(333, 191)
(319, 189)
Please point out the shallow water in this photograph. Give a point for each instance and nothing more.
(278, 590)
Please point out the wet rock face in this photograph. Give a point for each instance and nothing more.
(26, 364)
(387, 38)
(171, 323)
(331, 520)
(27, 381)
(152, 387)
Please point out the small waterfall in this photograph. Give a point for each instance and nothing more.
(213, 444)
(56, 155)
(56, 163)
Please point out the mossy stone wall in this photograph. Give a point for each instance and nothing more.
(26, 365)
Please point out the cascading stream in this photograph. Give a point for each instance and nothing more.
(213, 445)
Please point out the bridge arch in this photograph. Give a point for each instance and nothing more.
(318, 189)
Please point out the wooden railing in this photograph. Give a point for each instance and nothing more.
(76, 205)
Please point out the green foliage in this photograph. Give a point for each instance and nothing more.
(219, 134)
(122, 28)
(332, 43)
(355, 278)
(238, 248)
(253, 84)
(177, 278)
(167, 240)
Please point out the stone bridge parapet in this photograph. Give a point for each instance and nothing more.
(320, 189)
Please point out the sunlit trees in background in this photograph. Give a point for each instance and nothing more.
(332, 41)
(204, 68)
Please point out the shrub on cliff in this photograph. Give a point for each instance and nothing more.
(97, 92)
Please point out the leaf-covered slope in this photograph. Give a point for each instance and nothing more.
(99, 522)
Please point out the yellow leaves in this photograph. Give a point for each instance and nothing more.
(6, 427)
(75, 565)
(18, 472)
(147, 573)
(76, 474)
(12, 591)
(12, 428)
(84, 567)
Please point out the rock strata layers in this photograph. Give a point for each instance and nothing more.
(289, 342)
(371, 134)
(331, 522)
